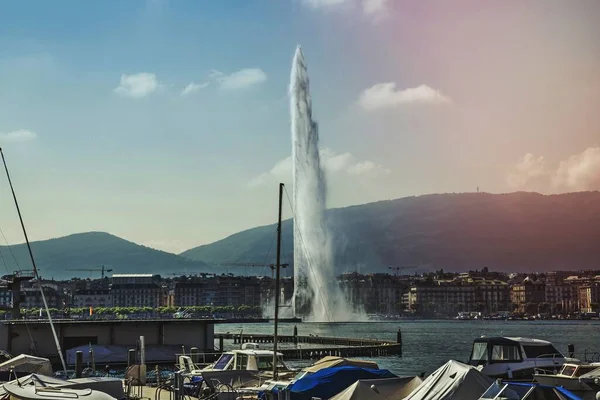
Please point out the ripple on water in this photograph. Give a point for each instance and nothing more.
(429, 344)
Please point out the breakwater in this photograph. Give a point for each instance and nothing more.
(320, 346)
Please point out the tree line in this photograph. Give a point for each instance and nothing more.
(243, 309)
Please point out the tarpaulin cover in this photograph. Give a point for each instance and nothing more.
(381, 389)
(329, 381)
(452, 381)
(27, 363)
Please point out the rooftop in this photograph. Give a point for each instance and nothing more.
(132, 275)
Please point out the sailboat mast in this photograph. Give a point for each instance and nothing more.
(35, 270)
(277, 277)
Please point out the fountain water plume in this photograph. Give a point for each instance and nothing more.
(317, 296)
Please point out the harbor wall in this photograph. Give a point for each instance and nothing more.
(36, 337)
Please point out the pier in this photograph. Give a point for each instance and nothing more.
(323, 345)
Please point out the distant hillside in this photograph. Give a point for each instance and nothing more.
(510, 232)
(91, 250)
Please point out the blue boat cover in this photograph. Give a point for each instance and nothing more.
(330, 381)
(564, 392)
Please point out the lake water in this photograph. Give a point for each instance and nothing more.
(429, 344)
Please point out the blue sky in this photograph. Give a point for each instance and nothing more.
(411, 99)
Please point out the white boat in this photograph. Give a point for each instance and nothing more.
(569, 378)
(515, 357)
(26, 364)
(34, 391)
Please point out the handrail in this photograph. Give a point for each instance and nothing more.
(46, 391)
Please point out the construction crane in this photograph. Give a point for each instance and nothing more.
(272, 266)
(90, 270)
(402, 268)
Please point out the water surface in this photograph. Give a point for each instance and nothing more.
(429, 344)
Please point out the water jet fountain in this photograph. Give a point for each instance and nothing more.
(317, 296)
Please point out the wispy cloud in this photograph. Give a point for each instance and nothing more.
(325, 3)
(137, 85)
(385, 95)
(333, 163)
(374, 9)
(526, 170)
(578, 172)
(242, 79)
(193, 87)
(21, 135)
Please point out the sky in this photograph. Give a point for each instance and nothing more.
(167, 122)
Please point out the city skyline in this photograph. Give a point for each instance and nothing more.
(167, 123)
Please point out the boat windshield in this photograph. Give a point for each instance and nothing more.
(584, 369)
(545, 351)
(505, 353)
(568, 370)
(265, 363)
(223, 361)
(479, 354)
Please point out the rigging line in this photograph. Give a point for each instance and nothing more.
(35, 270)
(10, 249)
(309, 261)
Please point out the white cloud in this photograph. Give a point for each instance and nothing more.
(385, 95)
(579, 172)
(333, 163)
(525, 171)
(137, 85)
(241, 79)
(193, 87)
(367, 167)
(21, 135)
(324, 3)
(376, 8)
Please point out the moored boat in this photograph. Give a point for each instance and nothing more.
(515, 357)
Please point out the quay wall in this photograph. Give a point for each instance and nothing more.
(36, 337)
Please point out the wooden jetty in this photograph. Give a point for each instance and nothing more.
(324, 345)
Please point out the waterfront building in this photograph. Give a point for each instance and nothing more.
(528, 295)
(224, 290)
(561, 297)
(376, 293)
(589, 297)
(136, 290)
(32, 297)
(465, 294)
(92, 298)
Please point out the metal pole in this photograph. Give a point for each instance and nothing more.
(277, 276)
(35, 270)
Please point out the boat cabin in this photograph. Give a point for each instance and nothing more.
(250, 360)
(491, 350)
(573, 370)
(513, 357)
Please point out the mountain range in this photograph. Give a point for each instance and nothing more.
(457, 232)
(56, 257)
(519, 231)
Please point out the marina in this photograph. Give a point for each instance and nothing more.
(149, 139)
